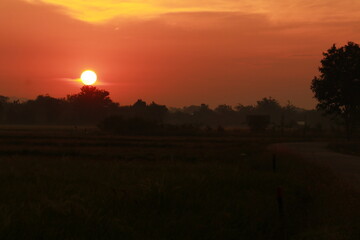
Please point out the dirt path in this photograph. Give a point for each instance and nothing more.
(346, 167)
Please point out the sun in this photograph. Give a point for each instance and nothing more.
(88, 77)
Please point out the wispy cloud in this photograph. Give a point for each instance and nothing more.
(98, 11)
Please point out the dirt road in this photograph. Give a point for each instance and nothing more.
(346, 167)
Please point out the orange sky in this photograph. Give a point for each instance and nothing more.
(174, 52)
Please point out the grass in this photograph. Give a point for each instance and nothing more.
(65, 185)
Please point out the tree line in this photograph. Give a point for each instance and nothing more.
(94, 106)
(336, 89)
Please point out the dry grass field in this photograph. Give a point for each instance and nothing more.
(77, 183)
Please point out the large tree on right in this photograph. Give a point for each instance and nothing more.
(338, 87)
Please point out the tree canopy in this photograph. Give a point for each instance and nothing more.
(91, 104)
(338, 86)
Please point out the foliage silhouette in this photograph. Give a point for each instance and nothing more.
(45, 109)
(338, 86)
(91, 104)
(258, 123)
(268, 105)
(3, 101)
(140, 109)
(224, 109)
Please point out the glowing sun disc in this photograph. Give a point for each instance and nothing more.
(88, 77)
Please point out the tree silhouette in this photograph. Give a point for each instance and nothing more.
(3, 101)
(205, 115)
(268, 105)
(224, 109)
(138, 109)
(157, 112)
(91, 104)
(140, 104)
(244, 110)
(258, 123)
(338, 86)
(45, 109)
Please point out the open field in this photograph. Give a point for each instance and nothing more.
(80, 184)
(346, 147)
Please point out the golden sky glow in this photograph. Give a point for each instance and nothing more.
(295, 10)
(104, 10)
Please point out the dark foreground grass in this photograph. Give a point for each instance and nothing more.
(167, 188)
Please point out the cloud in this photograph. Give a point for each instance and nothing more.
(104, 10)
(99, 11)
